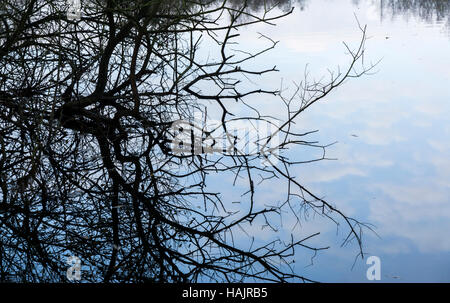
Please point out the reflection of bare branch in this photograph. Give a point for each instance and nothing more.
(87, 117)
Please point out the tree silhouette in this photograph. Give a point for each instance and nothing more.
(103, 157)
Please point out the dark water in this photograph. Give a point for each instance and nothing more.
(393, 167)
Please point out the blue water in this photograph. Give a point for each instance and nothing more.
(393, 133)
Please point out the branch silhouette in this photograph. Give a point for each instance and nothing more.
(88, 164)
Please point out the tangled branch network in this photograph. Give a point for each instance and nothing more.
(95, 163)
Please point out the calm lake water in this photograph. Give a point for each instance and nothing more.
(392, 128)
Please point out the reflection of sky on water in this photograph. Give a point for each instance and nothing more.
(393, 132)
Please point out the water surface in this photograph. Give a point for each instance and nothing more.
(392, 128)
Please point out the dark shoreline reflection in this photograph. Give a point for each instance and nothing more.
(428, 10)
(284, 5)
